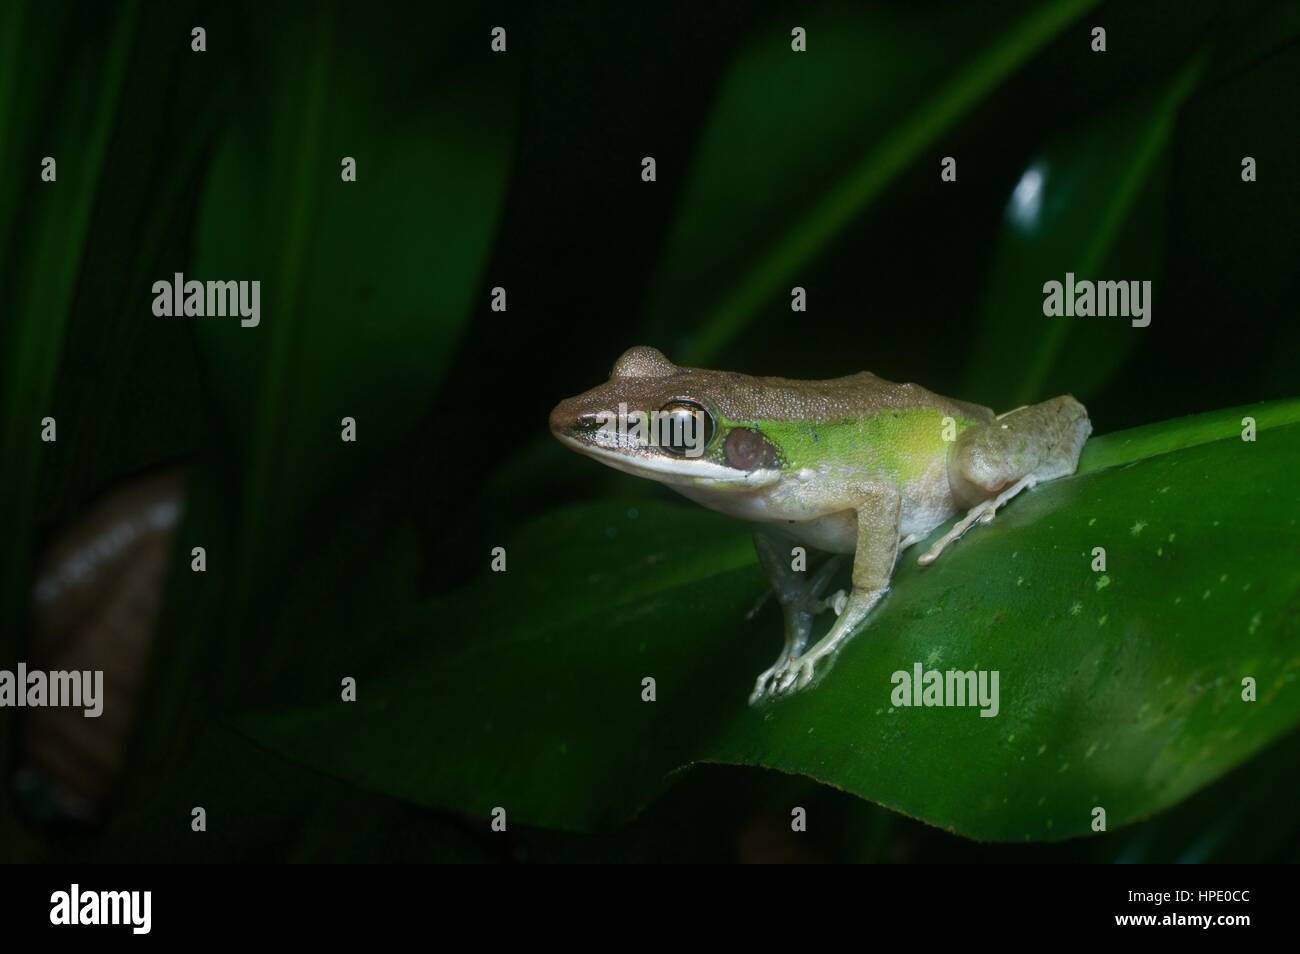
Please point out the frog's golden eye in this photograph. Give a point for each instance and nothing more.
(684, 428)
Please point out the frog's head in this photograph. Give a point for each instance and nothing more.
(674, 425)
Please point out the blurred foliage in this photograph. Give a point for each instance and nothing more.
(1091, 204)
(771, 187)
(475, 170)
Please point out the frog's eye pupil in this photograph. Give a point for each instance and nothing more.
(685, 428)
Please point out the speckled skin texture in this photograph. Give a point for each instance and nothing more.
(855, 465)
(645, 380)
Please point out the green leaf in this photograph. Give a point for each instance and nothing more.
(798, 145)
(1119, 689)
(1091, 203)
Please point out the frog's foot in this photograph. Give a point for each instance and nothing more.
(798, 629)
(794, 672)
(765, 684)
(795, 675)
(982, 512)
(785, 677)
(791, 675)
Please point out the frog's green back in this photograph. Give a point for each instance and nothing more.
(900, 443)
(860, 421)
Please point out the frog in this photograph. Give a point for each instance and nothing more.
(851, 467)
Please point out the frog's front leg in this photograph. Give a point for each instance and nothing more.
(799, 597)
(879, 513)
(990, 464)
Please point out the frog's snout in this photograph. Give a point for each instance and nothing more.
(581, 417)
(562, 418)
(572, 419)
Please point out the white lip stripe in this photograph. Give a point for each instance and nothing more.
(672, 467)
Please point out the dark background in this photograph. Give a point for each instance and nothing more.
(579, 241)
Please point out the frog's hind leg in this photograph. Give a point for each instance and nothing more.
(982, 512)
(798, 595)
(990, 464)
(879, 514)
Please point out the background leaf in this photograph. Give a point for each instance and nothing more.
(366, 289)
(42, 283)
(41, 258)
(360, 309)
(1100, 186)
(761, 205)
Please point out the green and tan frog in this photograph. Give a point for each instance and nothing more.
(855, 465)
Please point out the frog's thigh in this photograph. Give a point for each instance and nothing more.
(1042, 441)
(990, 464)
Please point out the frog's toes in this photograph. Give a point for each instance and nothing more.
(768, 684)
(788, 675)
(763, 685)
(795, 675)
